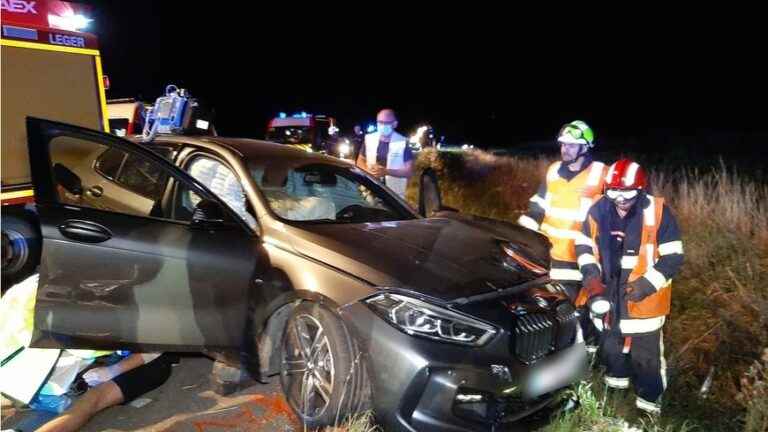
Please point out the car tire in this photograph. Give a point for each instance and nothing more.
(322, 371)
(20, 248)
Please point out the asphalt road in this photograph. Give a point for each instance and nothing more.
(190, 400)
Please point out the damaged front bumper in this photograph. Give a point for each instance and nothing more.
(422, 385)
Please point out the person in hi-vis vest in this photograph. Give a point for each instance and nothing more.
(386, 154)
(629, 251)
(563, 199)
(560, 206)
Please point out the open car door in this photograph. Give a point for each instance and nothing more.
(123, 265)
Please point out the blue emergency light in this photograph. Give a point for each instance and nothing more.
(371, 128)
(282, 115)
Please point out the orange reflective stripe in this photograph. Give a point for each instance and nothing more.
(563, 249)
(649, 252)
(593, 231)
(627, 344)
(659, 303)
(581, 299)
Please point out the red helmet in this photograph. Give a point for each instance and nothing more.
(625, 174)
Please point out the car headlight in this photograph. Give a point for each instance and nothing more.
(420, 318)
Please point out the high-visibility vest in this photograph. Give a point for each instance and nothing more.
(659, 303)
(395, 155)
(566, 205)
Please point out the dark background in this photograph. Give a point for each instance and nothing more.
(650, 83)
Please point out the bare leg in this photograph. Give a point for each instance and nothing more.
(94, 400)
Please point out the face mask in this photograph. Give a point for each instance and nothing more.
(385, 129)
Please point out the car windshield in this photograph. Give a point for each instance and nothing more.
(324, 193)
(290, 135)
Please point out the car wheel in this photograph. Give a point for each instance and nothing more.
(20, 249)
(322, 371)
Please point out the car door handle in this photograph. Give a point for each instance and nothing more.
(96, 191)
(83, 231)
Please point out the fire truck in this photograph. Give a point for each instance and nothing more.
(51, 68)
(310, 132)
(126, 116)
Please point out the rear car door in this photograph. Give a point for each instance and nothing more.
(122, 267)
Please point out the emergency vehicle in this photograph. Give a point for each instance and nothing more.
(311, 132)
(126, 116)
(51, 68)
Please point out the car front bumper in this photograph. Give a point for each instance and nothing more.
(423, 385)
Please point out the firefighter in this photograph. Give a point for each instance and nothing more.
(629, 252)
(561, 204)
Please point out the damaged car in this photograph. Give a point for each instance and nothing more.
(302, 268)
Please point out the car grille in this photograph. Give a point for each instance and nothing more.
(567, 325)
(534, 335)
(538, 334)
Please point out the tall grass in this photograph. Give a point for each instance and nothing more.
(363, 422)
(482, 184)
(719, 314)
(754, 395)
(720, 300)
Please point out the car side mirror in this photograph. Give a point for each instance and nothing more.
(67, 179)
(209, 215)
(430, 198)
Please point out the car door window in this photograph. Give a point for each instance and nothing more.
(220, 180)
(143, 177)
(132, 172)
(109, 163)
(94, 175)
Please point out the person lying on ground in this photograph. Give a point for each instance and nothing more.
(112, 385)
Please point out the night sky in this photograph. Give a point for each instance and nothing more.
(484, 77)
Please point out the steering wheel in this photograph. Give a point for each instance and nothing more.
(349, 211)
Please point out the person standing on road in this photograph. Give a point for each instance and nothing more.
(357, 140)
(386, 155)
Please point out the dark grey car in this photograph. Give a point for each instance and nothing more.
(302, 266)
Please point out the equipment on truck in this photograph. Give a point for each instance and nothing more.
(177, 113)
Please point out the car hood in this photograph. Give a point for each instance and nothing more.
(447, 258)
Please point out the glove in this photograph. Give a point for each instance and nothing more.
(638, 290)
(594, 287)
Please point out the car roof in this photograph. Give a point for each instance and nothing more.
(249, 149)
